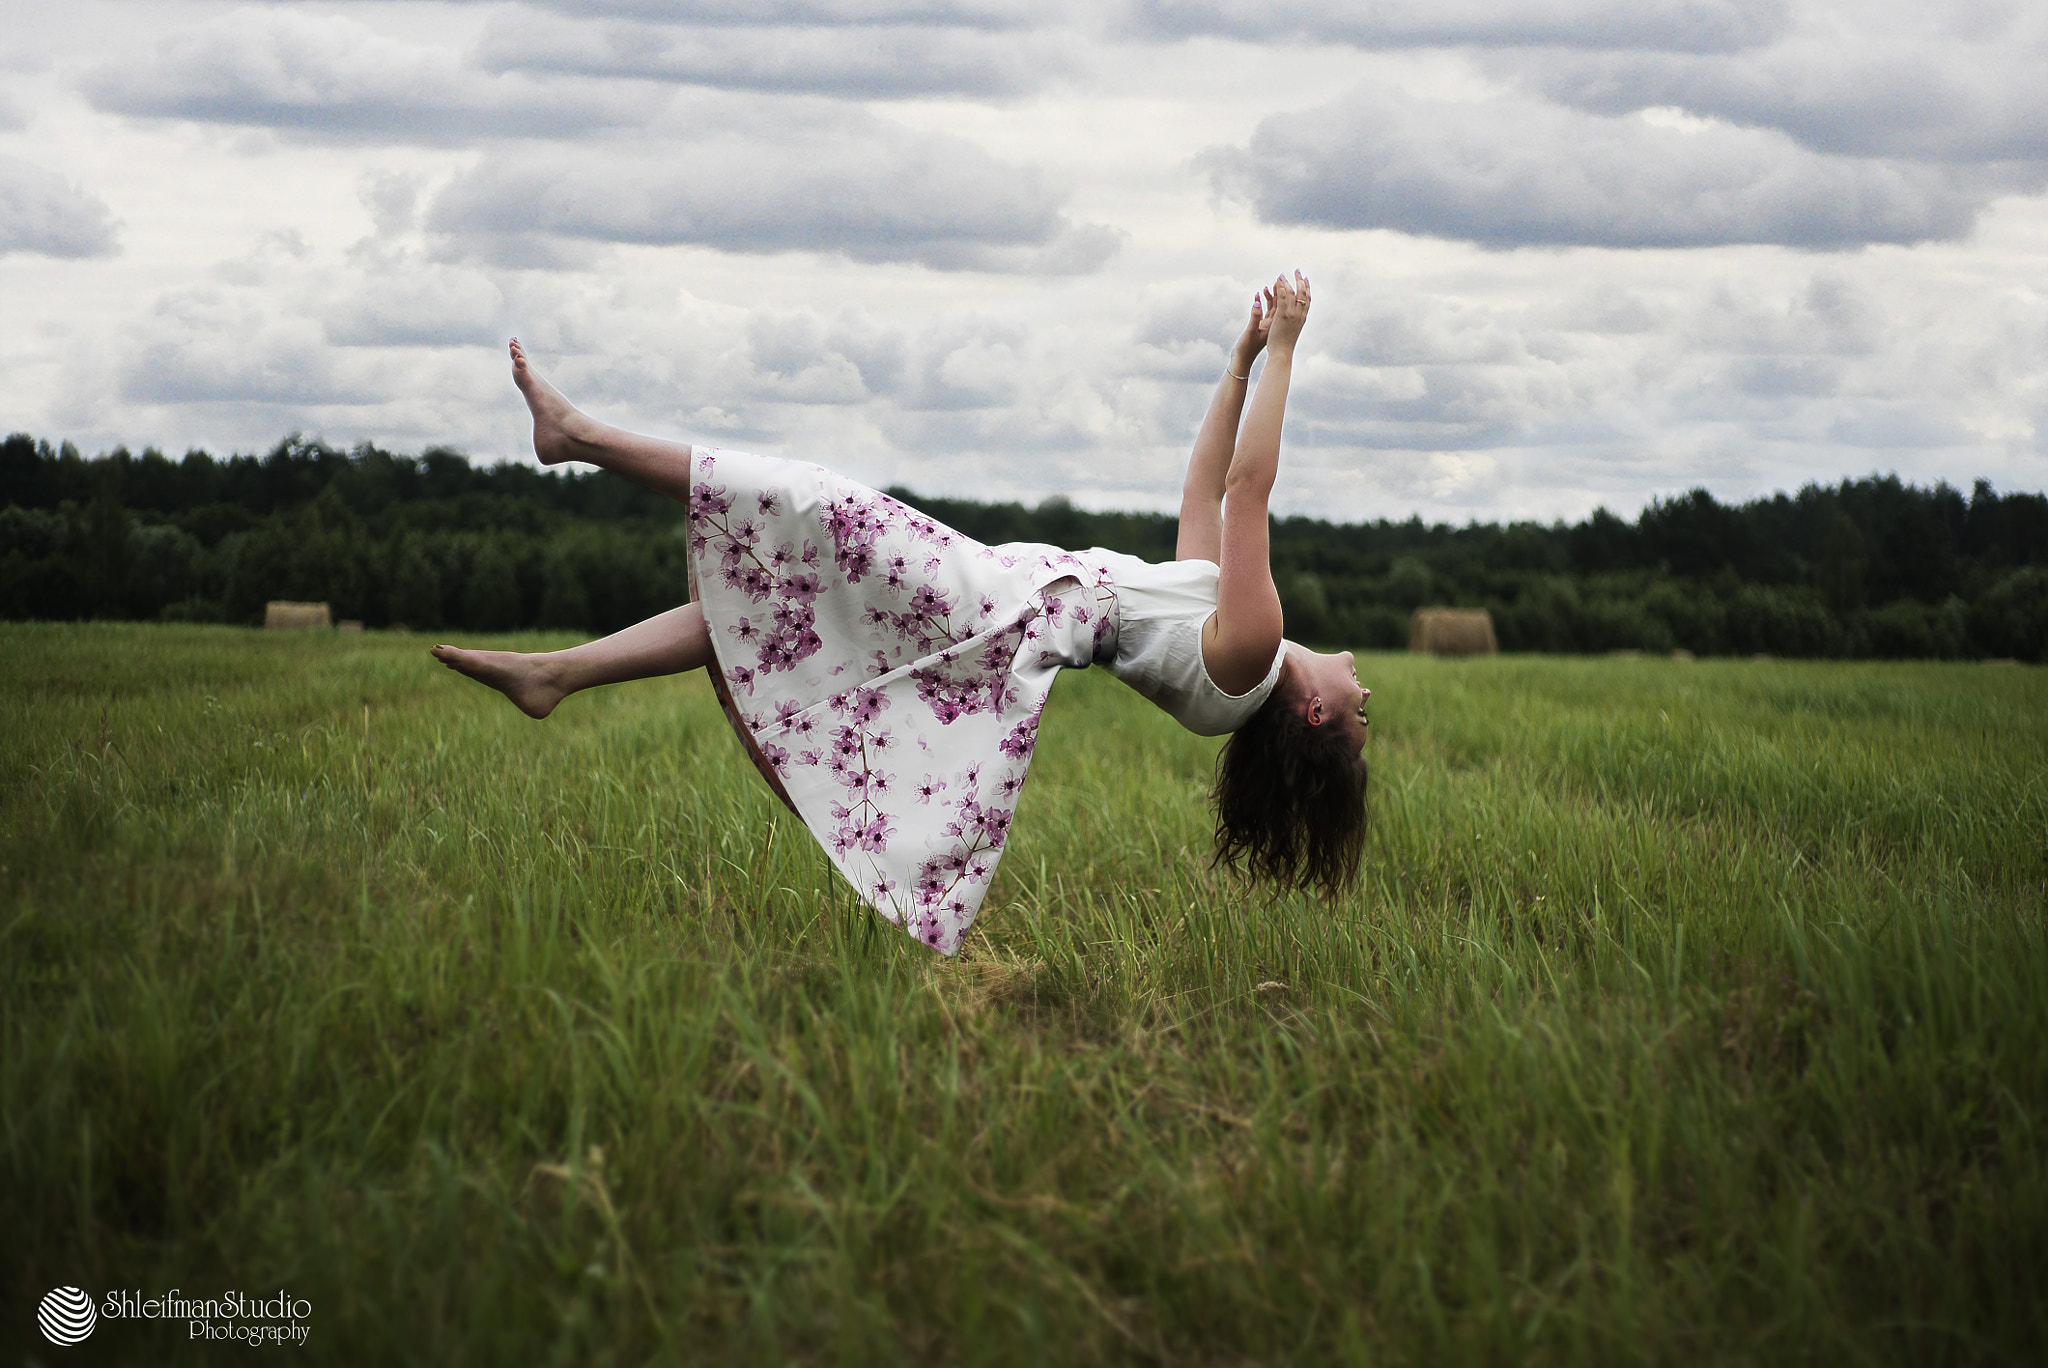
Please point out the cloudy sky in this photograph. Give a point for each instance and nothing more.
(1566, 252)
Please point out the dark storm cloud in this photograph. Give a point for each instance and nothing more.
(1678, 25)
(1513, 172)
(874, 61)
(330, 76)
(43, 214)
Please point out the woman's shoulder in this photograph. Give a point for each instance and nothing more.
(1137, 573)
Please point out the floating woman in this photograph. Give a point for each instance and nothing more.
(886, 674)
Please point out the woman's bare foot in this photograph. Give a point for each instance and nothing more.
(561, 431)
(529, 681)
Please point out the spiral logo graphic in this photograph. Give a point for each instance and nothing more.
(66, 1316)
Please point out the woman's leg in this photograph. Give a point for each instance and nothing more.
(669, 643)
(666, 644)
(563, 432)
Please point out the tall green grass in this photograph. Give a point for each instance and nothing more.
(1688, 1012)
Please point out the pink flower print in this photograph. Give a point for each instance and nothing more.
(875, 835)
(775, 755)
(741, 678)
(770, 502)
(881, 889)
(846, 742)
(788, 708)
(744, 629)
(708, 499)
(1017, 745)
(929, 788)
(803, 586)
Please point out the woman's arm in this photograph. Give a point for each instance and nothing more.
(1201, 495)
(1239, 641)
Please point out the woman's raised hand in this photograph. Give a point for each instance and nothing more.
(1252, 340)
(1287, 312)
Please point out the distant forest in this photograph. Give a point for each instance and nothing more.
(1866, 568)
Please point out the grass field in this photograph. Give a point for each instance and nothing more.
(1689, 1012)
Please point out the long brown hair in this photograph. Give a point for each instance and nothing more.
(1290, 801)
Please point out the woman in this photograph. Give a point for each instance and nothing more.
(887, 674)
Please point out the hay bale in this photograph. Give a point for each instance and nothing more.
(280, 613)
(1452, 632)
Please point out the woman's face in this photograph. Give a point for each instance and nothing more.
(1328, 690)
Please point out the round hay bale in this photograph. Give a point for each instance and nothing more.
(1452, 632)
(282, 614)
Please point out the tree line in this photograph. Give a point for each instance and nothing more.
(1868, 568)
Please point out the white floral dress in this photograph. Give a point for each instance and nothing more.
(890, 670)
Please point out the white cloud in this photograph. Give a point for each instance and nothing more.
(1510, 172)
(1683, 25)
(416, 304)
(711, 220)
(966, 13)
(869, 61)
(215, 343)
(43, 214)
(334, 77)
(1855, 94)
(828, 181)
